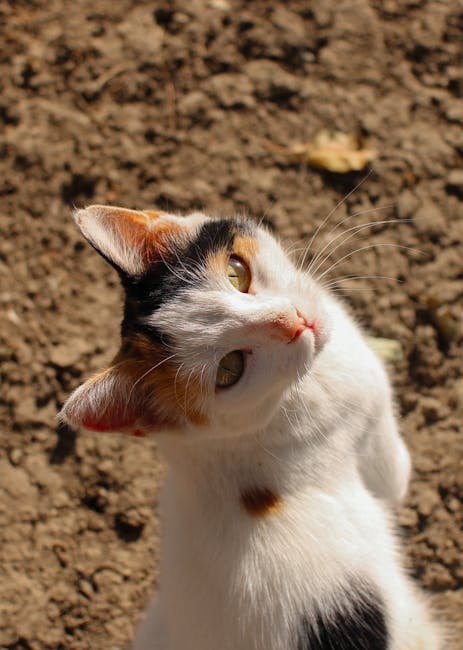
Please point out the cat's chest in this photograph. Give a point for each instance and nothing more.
(265, 541)
(262, 585)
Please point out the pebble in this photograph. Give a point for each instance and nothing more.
(66, 355)
(15, 456)
(455, 182)
(429, 219)
(407, 205)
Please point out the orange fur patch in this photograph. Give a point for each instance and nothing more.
(245, 247)
(259, 502)
(156, 376)
(153, 214)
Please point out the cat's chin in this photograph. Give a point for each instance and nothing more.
(300, 356)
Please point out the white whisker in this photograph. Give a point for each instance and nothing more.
(354, 230)
(330, 214)
(364, 248)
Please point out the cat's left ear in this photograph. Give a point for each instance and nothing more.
(130, 240)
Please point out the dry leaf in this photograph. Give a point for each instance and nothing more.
(387, 349)
(334, 151)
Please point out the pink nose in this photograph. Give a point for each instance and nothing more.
(290, 326)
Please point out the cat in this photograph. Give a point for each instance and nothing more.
(277, 422)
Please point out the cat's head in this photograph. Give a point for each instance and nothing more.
(218, 324)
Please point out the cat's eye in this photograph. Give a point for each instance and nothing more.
(238, 273)
(230, 370)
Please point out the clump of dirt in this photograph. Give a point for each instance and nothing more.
(171, 104)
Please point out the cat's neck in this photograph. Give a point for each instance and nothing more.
(290, 454)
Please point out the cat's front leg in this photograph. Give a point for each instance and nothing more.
(383, 459)
(151, 632)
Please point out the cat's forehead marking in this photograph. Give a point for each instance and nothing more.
(260, 501)
(214, 235)
(184, 263)
(245, 246)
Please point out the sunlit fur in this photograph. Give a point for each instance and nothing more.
(277, 507)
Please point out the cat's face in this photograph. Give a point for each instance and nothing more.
(218, 324)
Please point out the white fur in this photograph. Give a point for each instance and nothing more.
(314, 422)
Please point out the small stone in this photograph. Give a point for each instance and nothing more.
(15, 456)
(438, 577)
(192, 103)
(427, 500)
(25, 410)
(455, 182)
(432, 409)
(220, 5)
(130, 524)
(408, 518)
(429, 220)
(86, 588)
(232, 90)
(458, 391)
(407, 205)
(454, 505)
(66, 355)
(270, 80)
(454, 113)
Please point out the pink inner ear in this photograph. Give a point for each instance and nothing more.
(129, 238)
(101, 425)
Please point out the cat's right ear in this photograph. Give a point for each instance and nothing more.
(115, 400)
(130, 240)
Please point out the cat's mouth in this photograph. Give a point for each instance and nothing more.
(302, 326)
(289, 327)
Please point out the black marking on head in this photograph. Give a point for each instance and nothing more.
(361, 626)
(213, 236)
(164, 279)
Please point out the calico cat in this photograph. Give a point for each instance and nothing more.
(278, 426)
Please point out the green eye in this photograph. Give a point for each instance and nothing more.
(230, 370)
(238, 273)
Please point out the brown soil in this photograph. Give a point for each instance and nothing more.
(172, 104)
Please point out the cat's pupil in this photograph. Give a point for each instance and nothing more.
(230, 370)
(238, 273)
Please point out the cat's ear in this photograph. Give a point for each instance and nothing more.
(129, 239)
(114, 401)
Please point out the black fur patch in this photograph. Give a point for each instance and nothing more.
(362, 627)
(165, 279)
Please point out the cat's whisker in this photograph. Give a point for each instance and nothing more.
(282, 461)
(364, 248)
(170, 268)
(290, 247)
(145, 375)
(344, 292)
(179, 369)
(181, 263)
(201, 381)
(267, 210)
(330, 214)
(354, 230)
(336, 226)
(348, 218)
(346, 278)
(359, 213)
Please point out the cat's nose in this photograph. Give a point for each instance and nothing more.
(290, 326)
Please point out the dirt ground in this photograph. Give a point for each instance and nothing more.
(173, 104)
